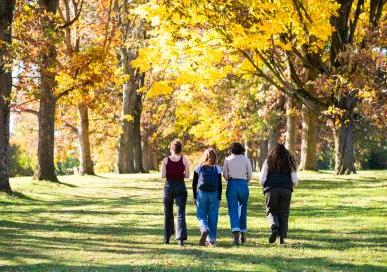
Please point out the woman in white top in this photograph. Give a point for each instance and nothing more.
(278, 177)
(237, 171)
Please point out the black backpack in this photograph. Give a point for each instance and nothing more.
(208, 179)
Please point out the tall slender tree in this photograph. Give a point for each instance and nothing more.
(6, 17)
(47, 103)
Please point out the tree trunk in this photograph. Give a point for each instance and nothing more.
(85, 163)
(146, 163)
(345, 142)
(125, 149)
(291, 127)
(273, 139)
(6, 17)
(308, 139)
(154, 159)
(46, 117)
(263, 152)
(137, 135)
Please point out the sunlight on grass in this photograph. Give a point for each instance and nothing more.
(115, 223)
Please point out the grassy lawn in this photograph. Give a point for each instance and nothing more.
(115, 223)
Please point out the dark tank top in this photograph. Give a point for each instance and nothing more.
(175, 170)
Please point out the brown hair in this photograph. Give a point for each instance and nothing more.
(176, 146)
(280, 160)
(237, 148)
(209, 157)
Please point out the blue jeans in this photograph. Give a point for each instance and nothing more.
(237, 196)
(207, 207)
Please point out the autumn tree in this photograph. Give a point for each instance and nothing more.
(289, 44)
(132, 37)
(6, 18)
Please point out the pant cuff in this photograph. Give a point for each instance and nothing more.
(211, 239)
(243, 230)
(235, 229)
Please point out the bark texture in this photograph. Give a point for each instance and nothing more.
(125, 149)
(263, 152)
(46, 167)
(138, 166)
(86, 164)
(6, 17)
(345, 141)
(291, 127)
(308, 139)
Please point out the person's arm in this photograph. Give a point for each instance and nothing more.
(186, 164)
(294, 177)
(195, 184)
(164, 168)
(225, 170)
(249, 170)
(263, 174)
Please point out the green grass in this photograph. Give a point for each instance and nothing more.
(115, 223)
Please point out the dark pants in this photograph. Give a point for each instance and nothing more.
(278, 208)
(175, 191)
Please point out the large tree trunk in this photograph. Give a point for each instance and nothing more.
(273, 138)
(263, 152)
(308, 139)
(125, 149)
(345, 142)
(6, 17)
(291, 127)
(46, 167)
(86, 164)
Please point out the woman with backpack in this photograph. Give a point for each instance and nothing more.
(278, 177)
(207, 192)
(238, 172)
(174, 169)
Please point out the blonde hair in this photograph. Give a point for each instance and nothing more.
(209, 157)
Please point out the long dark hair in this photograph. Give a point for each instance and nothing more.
(280, 160)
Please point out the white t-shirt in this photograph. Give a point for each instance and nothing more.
(237, 167)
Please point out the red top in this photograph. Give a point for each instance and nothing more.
(175, 170)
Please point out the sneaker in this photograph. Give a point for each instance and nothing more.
(211, 244)
(203, 238)
(273, 236)
(282, 241)
(166, 241)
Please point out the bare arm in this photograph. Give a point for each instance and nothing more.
(164, 168)
(186, 165)
(225, 170)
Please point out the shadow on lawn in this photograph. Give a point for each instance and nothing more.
(35, 239)
(118, 242)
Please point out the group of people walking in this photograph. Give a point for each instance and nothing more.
(278, 177)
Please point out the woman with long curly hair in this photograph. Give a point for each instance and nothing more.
(278, 177)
